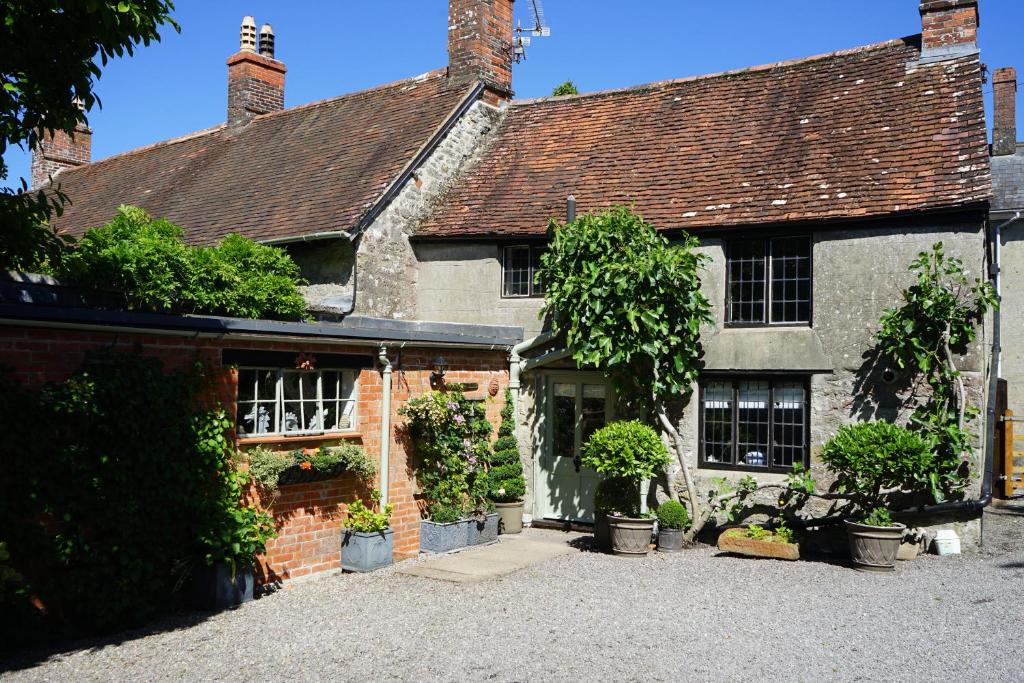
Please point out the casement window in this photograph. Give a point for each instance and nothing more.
(754, 424)
(519, 267)
(769, 281)
(278, 401)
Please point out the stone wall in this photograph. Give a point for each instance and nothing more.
(386, 267)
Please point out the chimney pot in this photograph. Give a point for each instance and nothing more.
(247, 37)
(267, 41)
(1004, 110)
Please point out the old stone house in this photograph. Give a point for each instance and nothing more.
(811, 184)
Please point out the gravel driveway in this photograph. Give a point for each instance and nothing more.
(691, 616)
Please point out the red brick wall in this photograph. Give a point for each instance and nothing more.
(1004, 110)
(60, 151)
(309, 515)
(480, 42)
(255, 86)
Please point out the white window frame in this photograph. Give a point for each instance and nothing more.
(279, 401)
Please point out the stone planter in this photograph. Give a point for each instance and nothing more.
(874, 548)
(363, 551)
(214, 588)
(443, 538)
(510, 517)
(737, 541)
(631, 537)
(670, 540)
(482, 531)
(602, 535)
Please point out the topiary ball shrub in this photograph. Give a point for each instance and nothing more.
(627, 449)
(618, 495)
(506, 476)
(673, 515)
(871, 457)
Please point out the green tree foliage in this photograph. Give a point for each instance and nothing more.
(628, 449)
(47, 65)
(506, 475)
(146, 262)
(629, 302)
(567, 88)
(121, 485)
(939, 316)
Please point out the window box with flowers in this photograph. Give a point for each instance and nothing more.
(271, 469)
(451, 440)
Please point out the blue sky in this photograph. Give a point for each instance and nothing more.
(330, 48)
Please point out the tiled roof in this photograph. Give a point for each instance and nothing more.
(313, 168)
(1008, 181)
(858, 133)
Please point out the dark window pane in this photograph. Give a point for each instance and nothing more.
(718, 422)
(564, 427)
(536, 277)
(752, 424)
(746, 273)
(788, 406)
(516, 271)
(791, 280)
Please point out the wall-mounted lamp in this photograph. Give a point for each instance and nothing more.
(439, 368)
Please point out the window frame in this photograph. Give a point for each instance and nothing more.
(768, 240)
(533, 248)
(735, 379)
(280, 401)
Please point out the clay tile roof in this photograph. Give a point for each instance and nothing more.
(858, 133)
(313, 168)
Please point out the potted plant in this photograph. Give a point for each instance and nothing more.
(673, 519)
(508, 486)
(627, 452)
(451, 439)
(779, 543)
(367, 540)
(873, 460)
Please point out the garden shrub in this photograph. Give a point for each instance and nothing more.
(506, 476)
(672, 515)
(627, 449)
(618, 495)
(450, 435)
(146, 261)
(123, 484)
(873, 458)
(364, 519)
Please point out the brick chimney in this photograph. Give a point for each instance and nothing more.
(948, 27)
(55, 153)
(1004, 111)
(255, 80)
(480, 45)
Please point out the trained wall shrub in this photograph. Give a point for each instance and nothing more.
(116, 484)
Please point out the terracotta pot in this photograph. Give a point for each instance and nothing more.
(874, 548)
(631, 537)
(511, 514)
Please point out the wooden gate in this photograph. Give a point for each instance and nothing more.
(1012, 475)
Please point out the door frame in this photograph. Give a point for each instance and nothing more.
(544, 438)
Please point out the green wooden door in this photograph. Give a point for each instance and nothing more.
(576, 405)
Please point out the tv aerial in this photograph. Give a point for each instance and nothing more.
(525, 35)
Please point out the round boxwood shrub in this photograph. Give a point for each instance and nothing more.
(506, 477)
(627, 449)
(673, 515)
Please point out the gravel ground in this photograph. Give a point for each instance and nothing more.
(584, 616)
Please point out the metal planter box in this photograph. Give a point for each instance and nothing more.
(443, 538)
(483, 531)
(214, 588)
(363, 551)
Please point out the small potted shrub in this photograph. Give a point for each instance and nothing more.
(612, 495)
(367, 541)
(629, 452)
(870, 460)
(673, 520)
(506, 476)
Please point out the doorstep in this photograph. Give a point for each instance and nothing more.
(511, 553)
